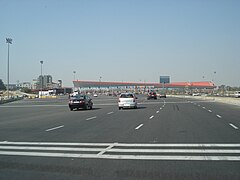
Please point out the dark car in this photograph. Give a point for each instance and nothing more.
(152, 95)
(80, 101)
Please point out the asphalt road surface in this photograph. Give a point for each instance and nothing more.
(167, 139)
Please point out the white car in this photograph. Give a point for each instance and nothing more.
(127, 100)
(237, 94)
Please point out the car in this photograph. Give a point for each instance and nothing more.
(162, 95)
(152, 95)
(196, 94)
(237, 94)
(127, 100)
(95, 95)
(80, 101)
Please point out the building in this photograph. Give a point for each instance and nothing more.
(24, 85)
(46, 82)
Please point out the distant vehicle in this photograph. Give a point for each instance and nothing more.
(80, 101)
(127, 100)
(162, 95)
(196, 94)
(95, 95)
(237, 94)
(152, 95)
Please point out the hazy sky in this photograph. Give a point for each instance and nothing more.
(121, 40)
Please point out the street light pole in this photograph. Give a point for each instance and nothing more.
(74, 72)
(8, 41)
(41, 62)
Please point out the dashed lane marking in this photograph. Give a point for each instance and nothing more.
(235, 127)
(209, 111)
(94, 117)
(151, 117)
(110, 113)
(139, 126)
(219, 116)
(51, 129)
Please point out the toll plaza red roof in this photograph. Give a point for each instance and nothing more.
(206, 84)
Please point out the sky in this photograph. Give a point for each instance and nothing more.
(121, 40)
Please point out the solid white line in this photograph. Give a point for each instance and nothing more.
(219, 116)
(157, 111)
(29, 106)
(121, 144)
(139, 126)
(94, 117)
(110, 113)
(204, 151)
(126, 157)
(209, 111)
(52, 148)
(235, 127)
(151, 117)
(54, 128)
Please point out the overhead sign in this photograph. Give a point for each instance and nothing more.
(165, 79)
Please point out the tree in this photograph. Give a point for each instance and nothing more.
(2, 86)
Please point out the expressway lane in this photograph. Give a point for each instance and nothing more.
(162, 139)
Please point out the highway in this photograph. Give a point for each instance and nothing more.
(169, 138)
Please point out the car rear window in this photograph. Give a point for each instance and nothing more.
(126, 96)
(77, 97)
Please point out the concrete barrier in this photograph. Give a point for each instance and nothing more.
(47, 97)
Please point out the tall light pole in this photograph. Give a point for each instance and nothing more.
(74, 72)
(41, 62)
(8, 41)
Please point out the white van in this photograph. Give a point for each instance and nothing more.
(237, 94)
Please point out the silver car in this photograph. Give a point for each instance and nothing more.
(127, 100)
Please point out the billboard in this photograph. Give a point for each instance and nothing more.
(165, 79)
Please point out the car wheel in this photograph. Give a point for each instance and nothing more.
(71, 109)
(90, 107)
(119, 108)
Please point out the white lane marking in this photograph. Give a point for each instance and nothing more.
(235, 127)
(51, 129)
(151, 117)
(160, 108)
(110, 113)
(139, 126)
(205, 151)
(203, 107)
(157, 111)
(122, 144)
(199, 105)
(209, 111)
(94, 117)
(106, 104)
(106, 149)
(126, 157)
(219, 116)
(52, 148)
